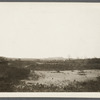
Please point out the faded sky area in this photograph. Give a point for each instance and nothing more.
(40, 30)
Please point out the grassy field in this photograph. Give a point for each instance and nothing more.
(14, 73)
(87, 86)
(61, 78)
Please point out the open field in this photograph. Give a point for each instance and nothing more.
(64, 81)
(43, 75)
(62, 78)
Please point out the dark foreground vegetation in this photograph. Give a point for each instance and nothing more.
(10, 76)
(14, 70)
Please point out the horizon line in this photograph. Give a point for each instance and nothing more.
(55, 57)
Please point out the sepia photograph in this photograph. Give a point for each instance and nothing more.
(49, 47)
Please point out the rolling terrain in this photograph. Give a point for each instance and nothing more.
(49, 75)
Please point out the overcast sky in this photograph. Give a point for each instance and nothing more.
(40, 30)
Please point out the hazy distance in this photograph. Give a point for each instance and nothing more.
(42, 30)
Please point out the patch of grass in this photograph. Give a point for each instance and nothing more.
(88, 86)
(33, 76)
